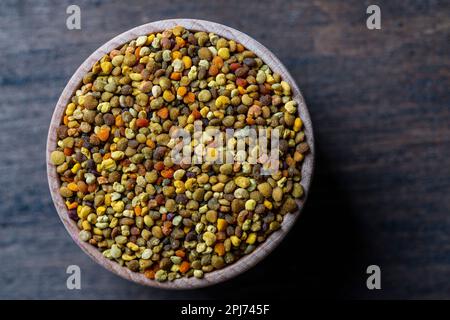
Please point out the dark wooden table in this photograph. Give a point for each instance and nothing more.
(379, 101)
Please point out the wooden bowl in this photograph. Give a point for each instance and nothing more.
(243, 263)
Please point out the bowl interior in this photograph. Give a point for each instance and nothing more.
(245, 262)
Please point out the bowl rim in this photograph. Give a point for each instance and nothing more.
(245, 262)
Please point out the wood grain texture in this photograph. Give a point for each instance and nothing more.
(379, 101)
(247, 261)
